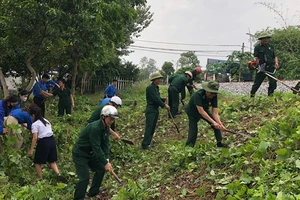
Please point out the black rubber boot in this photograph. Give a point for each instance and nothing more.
(222, 145)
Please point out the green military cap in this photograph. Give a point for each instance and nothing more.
(211, 86)
(264, 35)
(155, 75)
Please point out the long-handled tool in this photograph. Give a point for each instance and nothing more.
(297, 87)
(292, 88)
(242, 134)
(116, 177)
(170, 114)
(261, 68)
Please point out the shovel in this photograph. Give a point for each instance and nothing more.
(116, 177)
(174, 122)
(242, 134)
(127, 141)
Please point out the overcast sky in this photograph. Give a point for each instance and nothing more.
(207, 22)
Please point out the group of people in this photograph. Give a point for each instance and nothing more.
(198, 107)
(42, 90)
(202, 100)
(15, 116)
(91, 150)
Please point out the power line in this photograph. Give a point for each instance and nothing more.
(182, 50)
(176, 53)
(190, 44)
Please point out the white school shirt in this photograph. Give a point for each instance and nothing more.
(42, 130)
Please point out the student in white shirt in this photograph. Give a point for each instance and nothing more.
(46, 145)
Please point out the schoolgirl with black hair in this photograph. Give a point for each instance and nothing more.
(45, 143)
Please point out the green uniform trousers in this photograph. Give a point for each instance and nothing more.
(193, 130)
(173, 96)
(83, 162)
(151, 121)
(259, 78)
(64, 107)
(190, 89)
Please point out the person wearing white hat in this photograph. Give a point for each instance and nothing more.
(114, 101)
(91, 151)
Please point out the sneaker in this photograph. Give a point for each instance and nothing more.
(222, 145)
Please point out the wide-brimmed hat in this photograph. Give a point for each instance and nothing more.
(189, 73)
(264, 35)
(155, 75)
(211, 86)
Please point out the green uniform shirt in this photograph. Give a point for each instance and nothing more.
(96, 114)
(64, 96)
(179, 82)
(199, 99)
(94, 137)
(153, 96)
(265, 54)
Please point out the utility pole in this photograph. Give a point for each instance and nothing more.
(243, 47)
(250, 39)
(241, 62)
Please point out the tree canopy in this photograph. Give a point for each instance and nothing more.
(188, 59)
(81, 35)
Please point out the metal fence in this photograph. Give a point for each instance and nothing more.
(92, 85)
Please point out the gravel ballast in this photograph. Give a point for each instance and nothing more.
(245, 87)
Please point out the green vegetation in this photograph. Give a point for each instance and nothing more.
(266, 167)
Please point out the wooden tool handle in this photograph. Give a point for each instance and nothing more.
(116, 177)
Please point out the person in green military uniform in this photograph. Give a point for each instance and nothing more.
(66, 100)
(198, 108)
(91, 151)
(191, 85)
(177, 86)
(264, 55)
(114, 101)
(153, 103)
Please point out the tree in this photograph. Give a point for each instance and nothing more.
(167, 69)
(188, 59)
(239, 57)
(143, 62)
(286, 41)
(147, 67)
(26, 33)
(81, 35)
(129, 71)
(216, 67)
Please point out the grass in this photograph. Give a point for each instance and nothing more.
(266, 167)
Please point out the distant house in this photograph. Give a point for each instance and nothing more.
(229, 70)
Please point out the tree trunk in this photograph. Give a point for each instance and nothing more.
(33, 73)
(75, 72)
(4, 85)
(83, 83)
